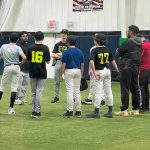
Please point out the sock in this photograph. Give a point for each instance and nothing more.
(97, 110)
(12, 99)
(1, 94)
(110, 108)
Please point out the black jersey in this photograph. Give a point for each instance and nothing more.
(60, 47)
(38, 55)
(101, 57)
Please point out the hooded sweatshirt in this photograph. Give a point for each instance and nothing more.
(129, 53)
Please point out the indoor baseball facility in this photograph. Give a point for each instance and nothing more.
(74, 74)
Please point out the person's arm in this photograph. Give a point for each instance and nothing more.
(92, 67)
(115, 65)
(47, 56)
(82, 69)
(56, 55)
(23, 58)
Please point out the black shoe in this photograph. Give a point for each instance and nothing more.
(108, 115)
(36, 115)
(87, 102)
(103, 102)
(68, 114)
(32, 114)
(93, 115)
(78, 114)
(55, 100)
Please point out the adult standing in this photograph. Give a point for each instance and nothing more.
(24, 73)
(57, 53)
(145, 75)
(10, 53)
(129, 61)
(73, 67)
(38, 56)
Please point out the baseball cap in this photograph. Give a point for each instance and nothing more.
(64, 31)
(99, 37)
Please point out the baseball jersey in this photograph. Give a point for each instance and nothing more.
(24, 46)
(145, 57)
(60, 47)
(73, 57)
(38, 55)
(10, 53)
(101, 57)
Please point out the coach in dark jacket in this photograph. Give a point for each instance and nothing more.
(129, 60)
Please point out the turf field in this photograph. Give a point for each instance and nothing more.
(54, 132)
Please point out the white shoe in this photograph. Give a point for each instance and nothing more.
(18, 102)
(11, 111)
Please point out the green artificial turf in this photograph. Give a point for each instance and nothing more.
(54, 132)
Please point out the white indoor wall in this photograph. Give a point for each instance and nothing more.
(33, 15)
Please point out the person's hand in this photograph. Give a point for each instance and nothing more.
(97, 76)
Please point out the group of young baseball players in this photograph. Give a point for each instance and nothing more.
(23, 61)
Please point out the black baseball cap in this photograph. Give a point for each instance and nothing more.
(134, 29)
(99, 37)
(64, 31)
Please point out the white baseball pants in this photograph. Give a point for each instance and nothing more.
(13, 72)
(72, 79)
(103, 83)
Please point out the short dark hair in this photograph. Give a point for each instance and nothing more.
(134, 29)
(14, 37)
(22, 32)
(64, 31)
(71, 40)
(39, 36)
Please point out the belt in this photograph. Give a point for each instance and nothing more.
(11, 64)
(102, 68)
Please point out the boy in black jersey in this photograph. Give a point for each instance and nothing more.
(38, 56)
(57, 53)
(99, 60)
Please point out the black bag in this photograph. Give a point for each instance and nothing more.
(83, 85)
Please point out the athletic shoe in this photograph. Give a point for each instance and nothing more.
(93, 115)
(103, 102)
(87, 102)
(24, 101)
(108, 115)
(18, 102)
(55, 100)
(134, 112)
(36, 115)
(78, 114)
(11, 111)
(122, 113)
(68, 114)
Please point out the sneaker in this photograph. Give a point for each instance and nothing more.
(32, 114)
(108, 115)
(93, 115)
(11, 111)
(78, 114)
(18, 102)
(36, 115)
(103, 102)
(134, 112)
(87, 102)
(68, 114)
(122, 113)
(24, 101)
(55, 100)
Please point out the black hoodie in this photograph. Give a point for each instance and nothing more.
(129, 53)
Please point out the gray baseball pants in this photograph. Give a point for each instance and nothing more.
(37, 86)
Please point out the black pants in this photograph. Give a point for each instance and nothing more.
(129, 81)
(144, 80)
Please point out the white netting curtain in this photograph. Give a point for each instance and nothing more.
(5, 7)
